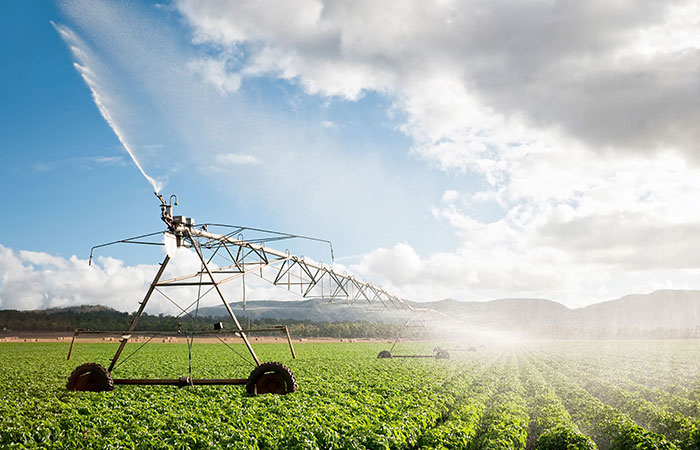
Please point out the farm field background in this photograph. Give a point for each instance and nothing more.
(556, 395)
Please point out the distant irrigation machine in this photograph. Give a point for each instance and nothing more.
(223, 258)
(438, 352)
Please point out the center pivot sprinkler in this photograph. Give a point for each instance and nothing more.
(240, 257)
(438, 353)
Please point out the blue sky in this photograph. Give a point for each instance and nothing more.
(443, 157)
(64, 163)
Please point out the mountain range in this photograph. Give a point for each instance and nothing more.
(660, 314)
(664, 309)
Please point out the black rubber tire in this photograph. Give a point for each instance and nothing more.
(384, 354)
(90, 377)
(271, 378)
(442, 354)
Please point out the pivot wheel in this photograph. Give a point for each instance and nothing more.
(442, 354)
(90, 377)
(271, 378)
(384, 354)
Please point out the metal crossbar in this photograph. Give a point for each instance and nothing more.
(312, 279)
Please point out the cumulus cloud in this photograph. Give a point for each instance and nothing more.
(580, 117)
(38, 280)
(85, 163)
(236, 159)
(400, 264)
(214, 72)
(614, 76)
(577, 119)
(578, 264)
(578, 236)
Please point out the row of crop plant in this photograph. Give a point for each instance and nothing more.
(528, 397)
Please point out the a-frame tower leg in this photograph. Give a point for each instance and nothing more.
(127, 335)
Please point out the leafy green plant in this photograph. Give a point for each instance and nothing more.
(542, 396)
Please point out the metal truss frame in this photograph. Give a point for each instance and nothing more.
(225, 258)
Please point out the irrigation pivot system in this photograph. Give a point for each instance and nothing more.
(223, 258)
(438, 352)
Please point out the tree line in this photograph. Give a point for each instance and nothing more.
(97, 318)
(100, 318)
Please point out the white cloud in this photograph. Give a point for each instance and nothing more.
(455, 67)
(585, 140)
(237, 159)
(399, 265)
(33, 280)
(215, 73)
(591, 231)
(450, 196)
(87, 162)
(41, 167)
(37, 280)
(106, 160)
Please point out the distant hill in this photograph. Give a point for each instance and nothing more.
(665, 313)
(664, 309)
(312, 310)
(672, 309)
(506, 313)
(513, 311)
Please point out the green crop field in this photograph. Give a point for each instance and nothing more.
(565, 395)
